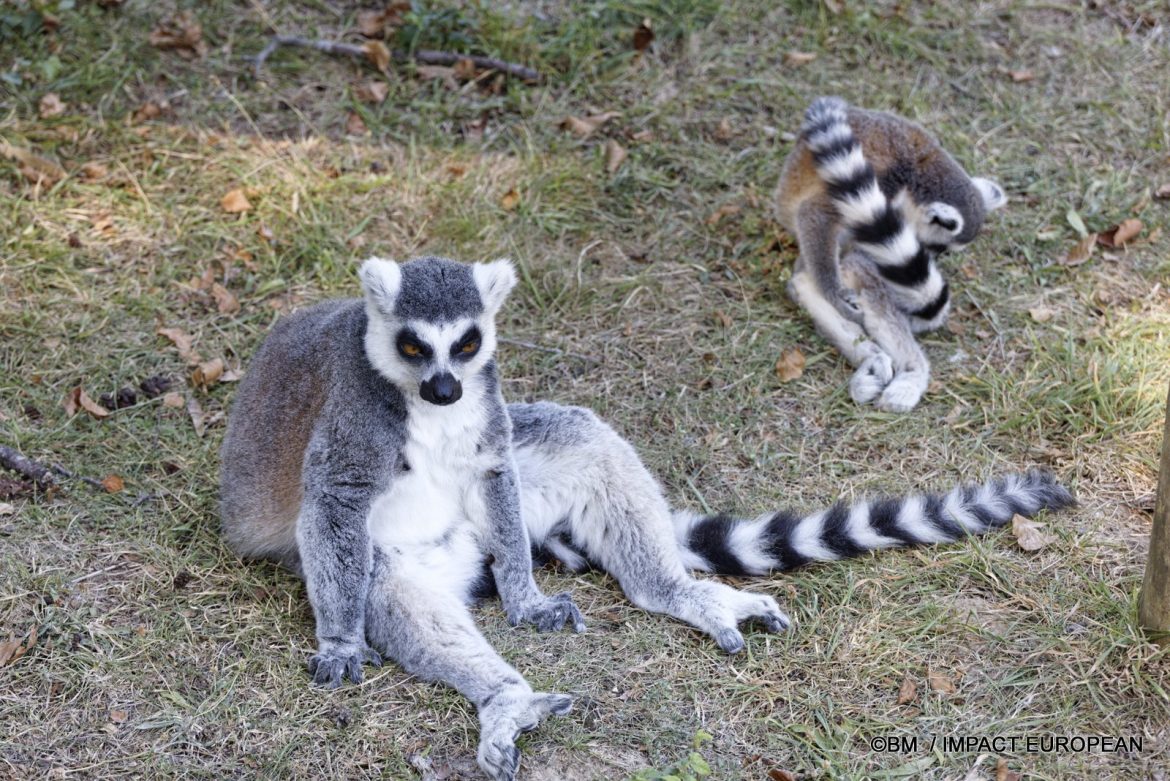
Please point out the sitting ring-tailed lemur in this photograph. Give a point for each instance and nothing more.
(873, 200)
(370, 450)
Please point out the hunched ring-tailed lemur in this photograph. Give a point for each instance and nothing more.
(370, 449)
(873, 200)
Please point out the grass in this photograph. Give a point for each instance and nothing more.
(159, 654)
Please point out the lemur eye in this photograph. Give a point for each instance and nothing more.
(470, 347)
(413, 350)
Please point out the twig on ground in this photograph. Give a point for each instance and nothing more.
(74, 476)
(38, 473)
(553, 350)
(425, 56)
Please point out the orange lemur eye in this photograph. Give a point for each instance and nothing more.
(411, 349)
(470, 347)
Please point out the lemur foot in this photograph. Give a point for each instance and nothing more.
(501, 722)
(550, 614)
(871, 378)
(718, 610)
(334, 662)
(903, 393)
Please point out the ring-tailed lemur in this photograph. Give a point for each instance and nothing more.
(873, 200)
(370, 449)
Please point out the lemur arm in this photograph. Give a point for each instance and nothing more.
(508, 544)
(817, 228)
(335, 549)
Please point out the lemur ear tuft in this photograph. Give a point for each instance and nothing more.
(993, 195)
(495, 281)
(381, 279)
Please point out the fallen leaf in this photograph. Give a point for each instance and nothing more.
(1041, 314)
(776, 774)
(940, 682)
(33, 167)
(207, 374)
(1163, 192)
(118, 716)
(464, 69)
(225, 300)
(78, 399)
(113, 484)
(643, 135)
(796, 59)
(643, 36)
(180, 33)
(1120, 235)
(372, 91)
(355, 125)
(615, 155)
(456, 169)
(13, 649)
(722, 318)
(7, 509)
(1076, 222)
(377, 53)
(583, 127)
(1080, 252)
(183, 341)
(724, 131)
(51, 106)
(1028, 535)
(197, 417)
(1002, 773)
(437, 72)
(1021, 76)
(790, 365)
(146, 112)
(510, 200)
(371, 24)
(908, 691)
(92, 172)
(235, 202)
(726, 210)
(174, 400)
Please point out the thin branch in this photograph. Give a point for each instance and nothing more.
(74, 476)
(425, 56)
(38, 473)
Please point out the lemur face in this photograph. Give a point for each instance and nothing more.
(432, 322)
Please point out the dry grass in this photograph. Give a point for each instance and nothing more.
(159, 654)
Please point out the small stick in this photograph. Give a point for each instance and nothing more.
(553, 350)
(425, 56)
(38, 473)
(74, 476)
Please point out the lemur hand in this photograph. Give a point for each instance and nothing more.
(336, 661)
(548, 614)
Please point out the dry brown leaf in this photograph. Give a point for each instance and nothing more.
(207, 374)
(51, 106)
(1028, 535)
(1080, 252)
(146, 112)
(33, 167)
(183, 341)
(1120, 235)
(722, 318)
(118, 716)
(1163, 192)
(174, 400)
(378, 54)
(776, 774)
(643, 36)
(79, 400)
(92, 172)
(615, 155)
(113, 484)
(225, 300)
(1002, 773)
(1041, 314)
(726, 210)
(790, 365)
(235, 202)
(908, 691)
(371, 24)
(583, 127)
(372, 91)
(510, 200)
(456, 169)
(796, 59)
(355, 125)
(13, 649)
(464, 69)
(1021, 76)
(940, 682)
(197, 417)
(724, 131)
(180, 33)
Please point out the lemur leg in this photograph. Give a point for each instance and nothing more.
(580, 480)
(817, 230)
(428, 630)
(874, 367)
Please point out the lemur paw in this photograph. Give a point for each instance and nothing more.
(871, 378)
(334, 662)
(551, 614)
(902, 394)
(504, 719)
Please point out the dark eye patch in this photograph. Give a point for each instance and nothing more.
(411, 347)
(468, 346)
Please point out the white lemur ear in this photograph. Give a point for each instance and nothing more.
(495, 281)
(993, 195)
(381, 279)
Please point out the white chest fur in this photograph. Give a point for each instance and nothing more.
(437, 496)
